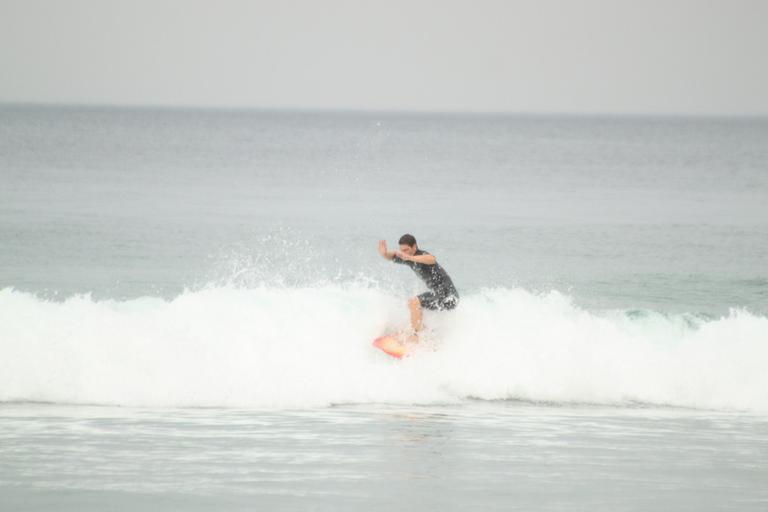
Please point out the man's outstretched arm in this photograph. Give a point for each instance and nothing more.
(383, 250)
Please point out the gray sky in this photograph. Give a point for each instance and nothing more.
(589, 56)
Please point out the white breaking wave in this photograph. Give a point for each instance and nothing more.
(298, 347)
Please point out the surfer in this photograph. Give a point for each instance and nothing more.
(442, 295)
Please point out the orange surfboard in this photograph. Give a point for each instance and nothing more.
(391, 345)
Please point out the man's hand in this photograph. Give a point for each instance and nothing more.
(403, 256)
(383, 248)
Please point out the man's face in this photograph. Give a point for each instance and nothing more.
(407, 249)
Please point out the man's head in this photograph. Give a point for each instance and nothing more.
(408, 245)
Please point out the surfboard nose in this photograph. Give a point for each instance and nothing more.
(390, 345)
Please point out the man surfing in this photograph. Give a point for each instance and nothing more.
(442, 295)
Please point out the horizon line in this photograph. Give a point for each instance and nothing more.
(377, 111)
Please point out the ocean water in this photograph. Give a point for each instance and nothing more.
(187, 301)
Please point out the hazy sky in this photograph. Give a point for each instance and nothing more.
(612, 56)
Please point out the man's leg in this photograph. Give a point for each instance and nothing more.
(415, 306)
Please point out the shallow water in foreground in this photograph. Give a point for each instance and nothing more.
(472, 456)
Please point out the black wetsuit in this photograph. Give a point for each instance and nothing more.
(442, 294)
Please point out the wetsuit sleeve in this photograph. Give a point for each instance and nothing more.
(395, 259)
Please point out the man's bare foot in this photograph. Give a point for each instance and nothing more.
(413, 338)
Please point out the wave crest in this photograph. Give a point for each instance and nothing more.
(297, 347)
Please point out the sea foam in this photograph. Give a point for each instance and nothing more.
(285, 347)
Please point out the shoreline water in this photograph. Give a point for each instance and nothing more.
(484, 456)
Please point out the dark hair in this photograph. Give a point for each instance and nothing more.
(407, 240)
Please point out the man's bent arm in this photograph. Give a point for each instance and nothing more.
(427, 259)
